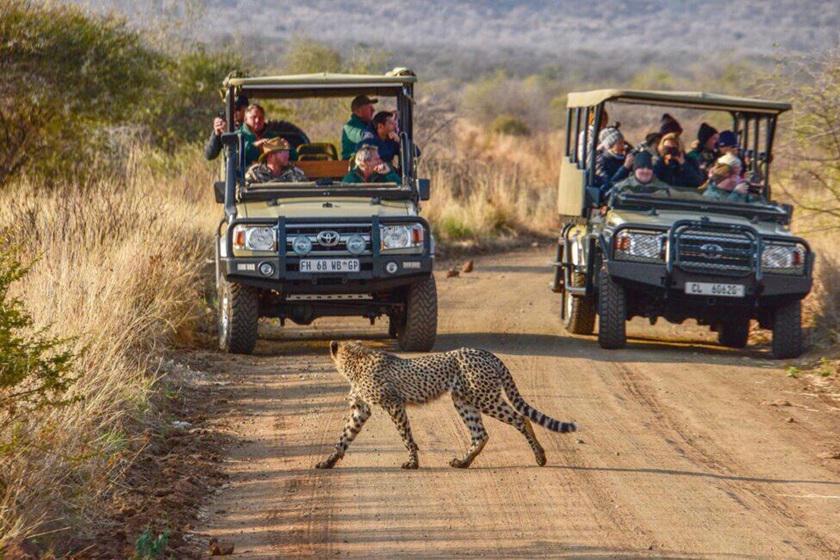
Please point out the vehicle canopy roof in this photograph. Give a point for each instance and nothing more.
(324, 84)
(686, 99)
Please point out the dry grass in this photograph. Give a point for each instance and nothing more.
(119, 268)
(493, 188)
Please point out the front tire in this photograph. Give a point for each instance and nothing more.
(418, 330)
(787, 330)
(612, 312)
(580, 311)
(734, 333)
(238, 317)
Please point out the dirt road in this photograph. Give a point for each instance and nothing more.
(685, 449)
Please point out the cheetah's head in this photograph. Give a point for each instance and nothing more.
(346, 351)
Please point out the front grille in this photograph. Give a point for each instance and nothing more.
(699, 250)
(344, 231)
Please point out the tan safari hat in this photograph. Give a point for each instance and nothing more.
(274, 145)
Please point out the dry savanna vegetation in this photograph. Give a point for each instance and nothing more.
(106, 220)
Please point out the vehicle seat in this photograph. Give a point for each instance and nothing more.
(323, 169)
(318, 151)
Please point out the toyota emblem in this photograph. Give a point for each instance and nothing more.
(711, 250)
(328, 238)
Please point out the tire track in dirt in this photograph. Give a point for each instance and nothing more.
(718, 460)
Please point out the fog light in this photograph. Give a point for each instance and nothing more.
(356, 244)
(391, 267)
(266, 269)
(301, 245)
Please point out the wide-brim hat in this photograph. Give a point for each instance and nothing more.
(274, 145)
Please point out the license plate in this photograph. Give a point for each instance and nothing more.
(712, 289)
(329, 265)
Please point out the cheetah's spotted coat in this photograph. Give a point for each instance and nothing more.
(475, 378)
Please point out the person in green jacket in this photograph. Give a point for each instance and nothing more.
(358, 125)
(726, 185)
(254, 133)
(642, 178)
(370, 168)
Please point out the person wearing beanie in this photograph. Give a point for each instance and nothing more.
(668, 125)
(643, 177)
(671, 165)
(727, 143)
(611, 162)
(704, 152)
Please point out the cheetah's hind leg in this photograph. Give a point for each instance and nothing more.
(504, 412)
(478, 435)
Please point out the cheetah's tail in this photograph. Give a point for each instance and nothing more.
(530, 412)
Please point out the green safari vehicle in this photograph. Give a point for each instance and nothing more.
(671, 252)
(298, 251)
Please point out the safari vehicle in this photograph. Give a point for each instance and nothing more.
(320, 248)
(670, 252)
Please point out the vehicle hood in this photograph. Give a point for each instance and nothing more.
(334, 207)
(664, 219)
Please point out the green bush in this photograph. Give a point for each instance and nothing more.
(65, 75)
(510, 125)
(35, 369)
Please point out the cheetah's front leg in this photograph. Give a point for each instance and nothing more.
(359, 413)
(400, 419)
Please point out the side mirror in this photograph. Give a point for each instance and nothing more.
(219, 191)
(788, 209)
(424, 188)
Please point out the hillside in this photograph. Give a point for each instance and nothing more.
(451, 38)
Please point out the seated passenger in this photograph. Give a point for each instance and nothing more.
(725, 183)
(274, 165)
(727, 143)
(704, 150)
(650, 144)
(612, 164)
(213, 147)
(643, 177)
(359, 124)
(672, 167)
(370, 168)
(669, 125)
(254, 133)
(384, 136)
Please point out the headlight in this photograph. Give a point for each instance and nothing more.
(407, 238)
(255, 238)
(641, 246)
(356, 244)
(784, 258)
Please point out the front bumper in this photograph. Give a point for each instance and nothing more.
(374, 275)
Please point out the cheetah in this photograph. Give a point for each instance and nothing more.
(475, 379)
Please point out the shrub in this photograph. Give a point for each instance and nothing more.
(510, 125)
(35, 369)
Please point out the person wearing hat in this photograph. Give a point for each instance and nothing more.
(671, 165)
(668, 125)
(643, 176)
(725, 183)
(359, 124)
(612, 164)
(370, 168)
(213, 147)
(727, 143)
(274, 165)
(704, 151)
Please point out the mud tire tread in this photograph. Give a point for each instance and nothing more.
(419, 329)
